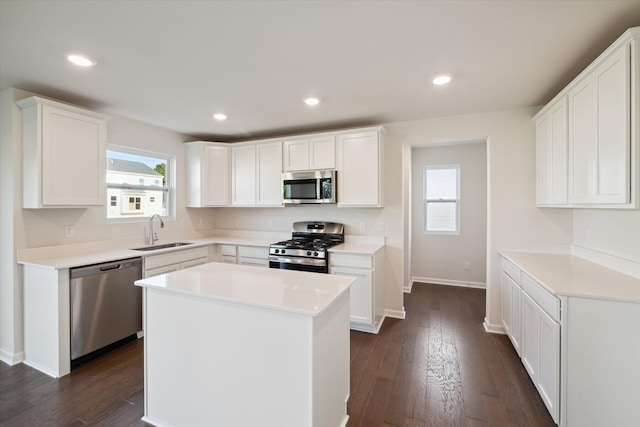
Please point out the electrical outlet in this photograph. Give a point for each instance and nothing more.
(68, 231)
(270, 224)
(200, 222)
(363, 226)
(467, 265)
(587, 233)
(381, 226)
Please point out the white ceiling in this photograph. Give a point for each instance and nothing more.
(174, 63)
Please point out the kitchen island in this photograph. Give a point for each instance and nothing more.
(230, 345)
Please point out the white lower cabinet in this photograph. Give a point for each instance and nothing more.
(174, 261)
(531, 319)
(366, 294)
(227, 254)
(511, 310)
(253, 255)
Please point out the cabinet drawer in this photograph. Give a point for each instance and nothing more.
(511, 270)
(547, 301)
(176, 257)
(161, 270)
(253, 261)
(344, 260)
(253, 252)
(194, 262)
(227, 250)
(229, 259)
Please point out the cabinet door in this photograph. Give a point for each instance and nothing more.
(243, 164)
(581, 142)
(551, 133)
(358, 177)
(215, 186)
(269, 174)
(73, 158)
(530, 336)
(506, 303)
(193, 263)
(161, 270)
(296, 155)
(322, 152)
(360, 294)
(548, 382)
(613, 139)
(516, 316)
(254, 262)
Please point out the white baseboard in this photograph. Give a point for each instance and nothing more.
(622, 265)
(492, 329)
(396, 314)
(43, 369)
(407, 289)
(11, 359)
(448, 282)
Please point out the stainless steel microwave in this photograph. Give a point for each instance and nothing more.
(309, 187)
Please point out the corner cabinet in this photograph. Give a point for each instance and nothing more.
(601, 141)
(256, 174)
(359, 164)
(64, 150)
(207, 174)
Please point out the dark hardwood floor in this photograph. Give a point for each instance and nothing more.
(435, 368)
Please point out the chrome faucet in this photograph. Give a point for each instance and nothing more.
(152, 235)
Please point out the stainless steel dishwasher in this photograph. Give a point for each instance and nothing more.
(106, 307)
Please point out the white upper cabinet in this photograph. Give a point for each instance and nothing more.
(64, 150)
(269, 174)
(600, 137)
(551, 147)
(207, 174)
(243, 167)
(359, 165)
(602, 134)
(257, 174)
(309, 153)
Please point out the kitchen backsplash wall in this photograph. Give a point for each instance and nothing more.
(612, 232)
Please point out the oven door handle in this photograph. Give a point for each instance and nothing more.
(294, 260)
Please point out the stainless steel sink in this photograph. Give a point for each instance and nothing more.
(165, 246)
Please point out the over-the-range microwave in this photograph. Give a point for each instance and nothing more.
(309, 187)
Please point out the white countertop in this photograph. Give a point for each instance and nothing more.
(285, 290)
(69, 256)
(573, 276)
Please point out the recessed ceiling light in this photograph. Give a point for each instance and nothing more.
(442, 80)
(81, 60)
(312, 101)
(220, 116)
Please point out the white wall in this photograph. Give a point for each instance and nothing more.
(612, 232)
(440, 258)
(514, 222)
(28, 228)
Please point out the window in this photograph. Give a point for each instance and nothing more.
(442, 199)
(138, 183)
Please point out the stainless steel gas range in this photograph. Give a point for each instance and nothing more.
(307, 250)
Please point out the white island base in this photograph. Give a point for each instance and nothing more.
(229, 345)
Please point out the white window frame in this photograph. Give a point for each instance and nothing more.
(169, 187)
(426, 201)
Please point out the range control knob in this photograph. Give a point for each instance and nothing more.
(282, 251)
(277, 251)
(315, 254)
(308, 253)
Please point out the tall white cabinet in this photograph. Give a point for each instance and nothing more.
(64, 155)
(589, 155)
(359, 164)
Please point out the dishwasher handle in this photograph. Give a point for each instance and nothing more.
(96, 269)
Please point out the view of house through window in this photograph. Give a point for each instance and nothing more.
(137, 184)
(441, 199)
